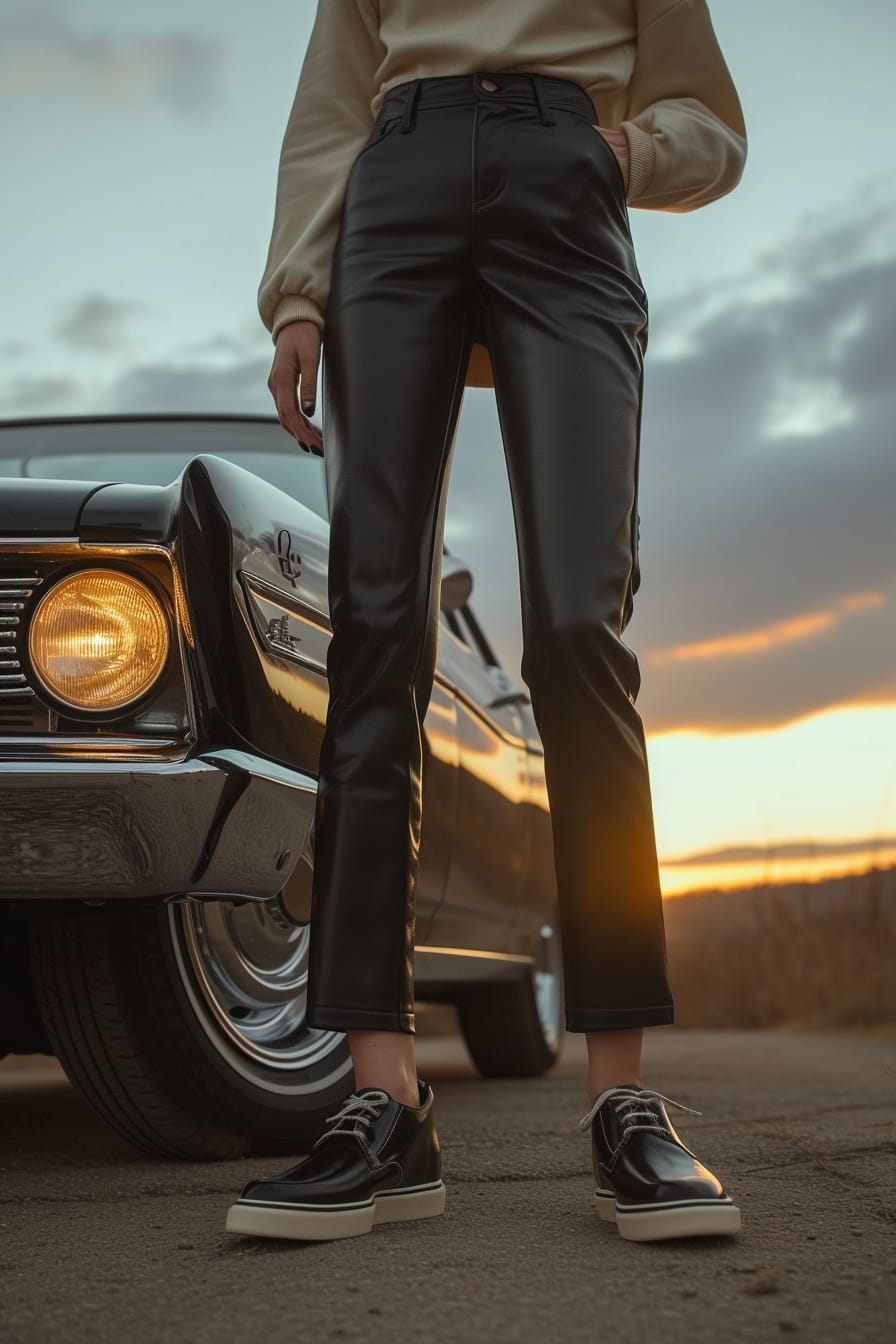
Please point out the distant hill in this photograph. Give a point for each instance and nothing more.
(811, 954)
(691, 912)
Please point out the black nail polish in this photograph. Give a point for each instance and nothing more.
(308, 407)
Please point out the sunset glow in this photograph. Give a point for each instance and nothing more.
(814, 799)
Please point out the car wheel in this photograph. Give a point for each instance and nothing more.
(183, 1025)
(515, 1029)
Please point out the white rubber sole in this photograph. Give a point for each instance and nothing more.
(309, 1222)
(684, 1218)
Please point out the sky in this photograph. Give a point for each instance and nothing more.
(143, 151)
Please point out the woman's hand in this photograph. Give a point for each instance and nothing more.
(297, 358)
(618, 142)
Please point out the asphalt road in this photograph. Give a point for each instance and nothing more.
(99, 1243)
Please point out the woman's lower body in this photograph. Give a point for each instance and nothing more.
(496, 215)
(485, 207)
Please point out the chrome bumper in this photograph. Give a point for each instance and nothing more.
(223, 823)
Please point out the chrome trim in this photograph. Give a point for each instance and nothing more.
(98, 766)
(124, 548)
(16, 545)
(230, 759)
(73, 545)
(279, 641)
(14, 751)
(520, 958)
(301, 610)
(464, 966)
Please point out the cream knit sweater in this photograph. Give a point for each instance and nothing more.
(652, 68)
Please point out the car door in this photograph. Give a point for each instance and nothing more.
(491, 841)
(441, 788)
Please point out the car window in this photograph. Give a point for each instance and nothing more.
(450, 619)
(463, 623)
(155, 451)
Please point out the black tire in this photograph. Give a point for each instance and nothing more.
(21, 1029)
(124, 1013)
(515, 1029)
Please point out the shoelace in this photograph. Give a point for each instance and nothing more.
(628, 1098)
(355, 1115)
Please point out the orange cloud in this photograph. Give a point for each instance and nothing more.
(769, 637)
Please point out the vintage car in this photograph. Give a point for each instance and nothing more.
(163, 640)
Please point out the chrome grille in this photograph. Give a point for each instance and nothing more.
(18, 707)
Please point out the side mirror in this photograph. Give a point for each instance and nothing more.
(457, 583)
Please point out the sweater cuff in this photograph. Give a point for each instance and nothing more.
(295, 308)
(641, 159)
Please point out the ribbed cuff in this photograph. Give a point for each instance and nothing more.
(295, 308)
(642, 159)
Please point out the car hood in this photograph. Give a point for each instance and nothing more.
(43, 508)
(262, 525)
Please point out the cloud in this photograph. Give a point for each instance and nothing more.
(96, 323)
(766, 548)
(783, 849)
(747, 528)
(244, 340)
(239, 387)
(765, 639)
(42, 395)
(43, 53)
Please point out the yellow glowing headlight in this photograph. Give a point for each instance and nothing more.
(98, 640)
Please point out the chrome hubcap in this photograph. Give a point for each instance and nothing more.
(249, 967)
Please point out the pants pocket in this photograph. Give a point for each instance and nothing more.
(608, 150)
(379, 133)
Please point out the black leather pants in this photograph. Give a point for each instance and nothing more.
(500, 216)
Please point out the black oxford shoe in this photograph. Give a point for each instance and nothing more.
(648, 1181)
(379, 1162)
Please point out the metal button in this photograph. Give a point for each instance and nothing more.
(488, 84)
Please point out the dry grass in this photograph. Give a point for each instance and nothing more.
(782, 961)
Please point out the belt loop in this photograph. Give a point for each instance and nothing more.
(407, 121)
(546, 118)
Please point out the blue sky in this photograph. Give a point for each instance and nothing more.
(143, 155)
